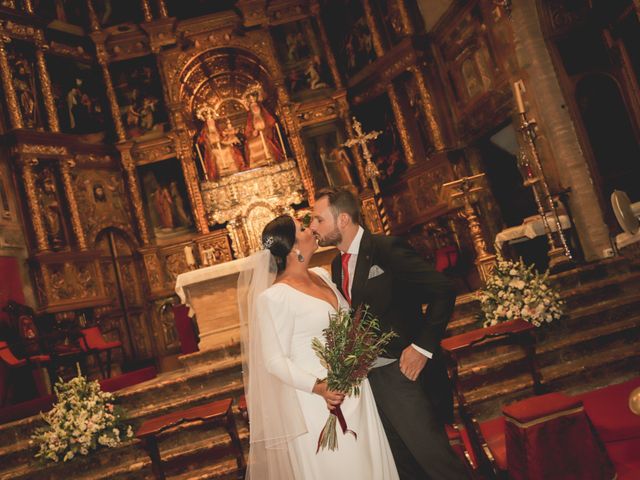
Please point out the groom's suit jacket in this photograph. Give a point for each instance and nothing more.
(396, 282)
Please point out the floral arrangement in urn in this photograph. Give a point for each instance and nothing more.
(83, 418)
(516, 291)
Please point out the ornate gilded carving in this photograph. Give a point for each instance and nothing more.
(407, 145)
(93, 18)
(40, 150)
(155, 274)
(182, 144)
(296, 142)
(134, 190)
(373, 28)
(28, 179)
(215, 249)
(427, 105)
(18, 30)
(153, 151)
(76, 223)
(101, 54)
(228, 198)
(146, 10)
(45, 81)
(246, 201)
(7, 82)
(407, 24)
(162, 9)
(316, 112)
(76, 52)
(328, 52)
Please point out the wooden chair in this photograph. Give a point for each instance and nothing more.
(13, 365)
(485, 440)
(94, 343)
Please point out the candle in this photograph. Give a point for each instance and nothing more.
(188, 255)
(518, 88)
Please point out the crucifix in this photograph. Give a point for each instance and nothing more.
(370, 170)
(361, 139)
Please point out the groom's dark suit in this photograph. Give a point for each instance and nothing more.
(395, 282)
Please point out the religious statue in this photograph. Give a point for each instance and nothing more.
(337, 166)
(51, 210)
(263, 141)
(220, 154)
(182, 217)
(164, 206)
(23, 82)
(313, 74)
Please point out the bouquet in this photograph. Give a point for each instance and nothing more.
(352, 343)
(83, 418)
(516, 291)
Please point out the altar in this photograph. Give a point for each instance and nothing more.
(210, 293)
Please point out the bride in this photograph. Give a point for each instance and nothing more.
(283, 305)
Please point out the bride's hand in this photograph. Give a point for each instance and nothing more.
(332, 398)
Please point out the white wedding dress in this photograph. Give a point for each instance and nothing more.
(297, 318)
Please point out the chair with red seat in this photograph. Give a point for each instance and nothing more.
(14, 364)
(93, 342)
(485, 441)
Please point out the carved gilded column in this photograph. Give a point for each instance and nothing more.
(345, 115)
(29, 181)
(407, 146)
(373, 28)
(7, 82)
(146, 10)
(162, 8)
(45, 81)
(407, 24)
(101, 53)
(93, 18)
(182, 142)
(296, 142)
(76, 222)
(427, 106)
(326, 48)
(134, 189)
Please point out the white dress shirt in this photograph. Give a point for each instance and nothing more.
(353, 249)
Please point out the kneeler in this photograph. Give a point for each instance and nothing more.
(550, 437)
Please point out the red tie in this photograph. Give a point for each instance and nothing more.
(345, 276)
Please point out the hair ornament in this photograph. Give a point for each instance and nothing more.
(268, 242)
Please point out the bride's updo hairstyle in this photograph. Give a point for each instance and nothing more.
(278, 237)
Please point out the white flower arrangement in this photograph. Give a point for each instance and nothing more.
(83, 418)
(514, 290)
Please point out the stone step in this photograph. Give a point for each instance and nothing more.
(620, 362)
(195, 360)
(584, 325)
(156, 396)
(130, 460)
(576, 295)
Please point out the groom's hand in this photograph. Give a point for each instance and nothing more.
(412, 362)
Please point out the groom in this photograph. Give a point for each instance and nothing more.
(411, 387)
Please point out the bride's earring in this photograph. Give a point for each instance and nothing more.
(300, 257)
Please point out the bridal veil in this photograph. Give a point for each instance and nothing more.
(275, 416)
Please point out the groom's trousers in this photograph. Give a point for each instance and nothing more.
(417, 437)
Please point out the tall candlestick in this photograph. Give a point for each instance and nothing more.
(188, 255)
(518, 88)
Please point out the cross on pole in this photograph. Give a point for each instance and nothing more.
(361, 139)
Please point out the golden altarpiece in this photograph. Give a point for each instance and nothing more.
(177, 137)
